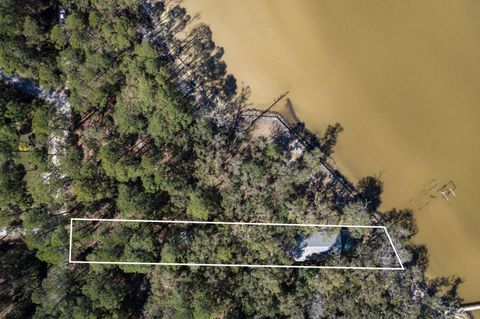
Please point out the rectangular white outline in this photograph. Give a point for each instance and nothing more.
(227, 265)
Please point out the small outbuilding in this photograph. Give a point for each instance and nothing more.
(62, 15)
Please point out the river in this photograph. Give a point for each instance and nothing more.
(402, 77)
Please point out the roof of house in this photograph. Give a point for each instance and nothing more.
(316, 243)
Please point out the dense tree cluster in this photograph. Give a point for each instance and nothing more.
(157, 134)
(23, 152)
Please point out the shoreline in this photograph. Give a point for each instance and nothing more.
(392, 122)
(275, 119)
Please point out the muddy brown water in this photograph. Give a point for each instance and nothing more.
(402, 77)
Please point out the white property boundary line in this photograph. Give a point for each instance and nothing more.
(227, 265)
